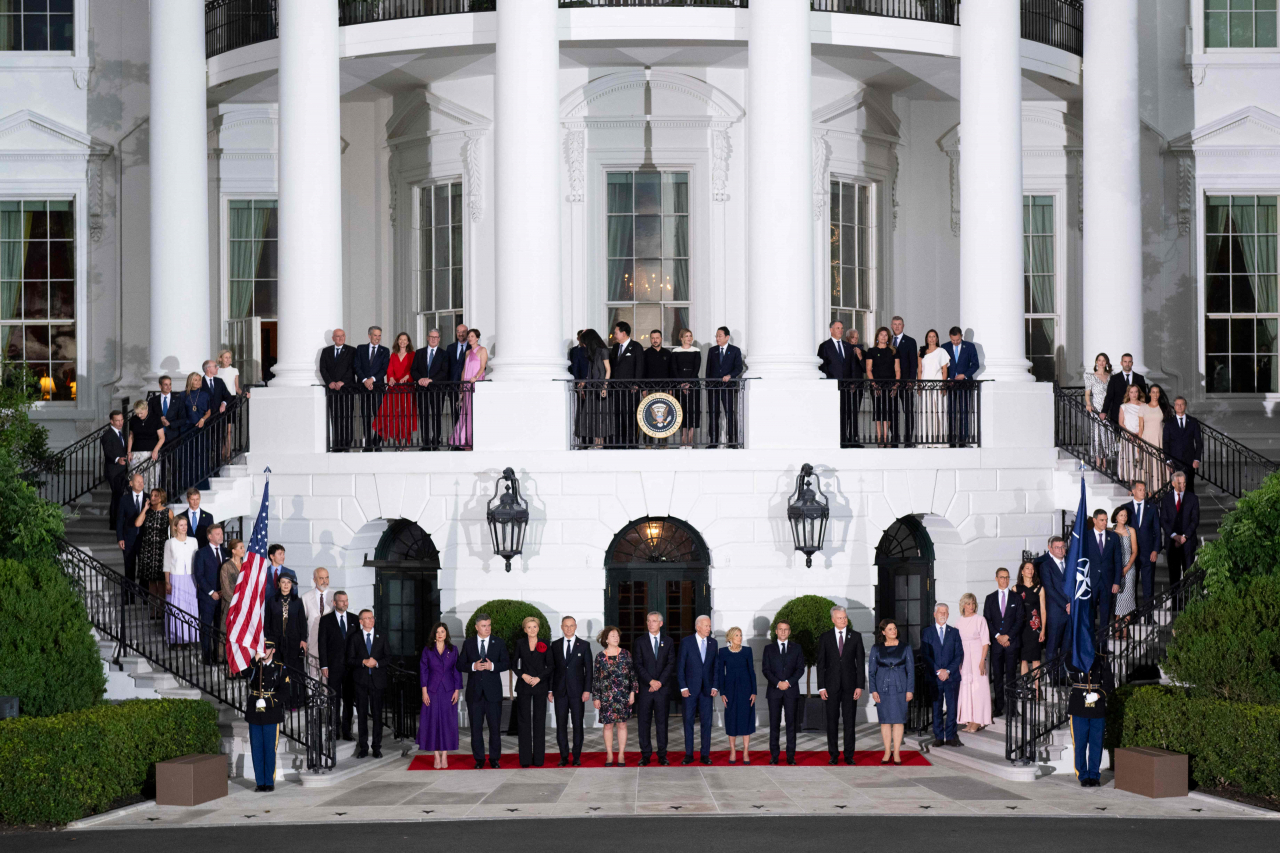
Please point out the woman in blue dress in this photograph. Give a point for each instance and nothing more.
(736, 683)
(891, 675)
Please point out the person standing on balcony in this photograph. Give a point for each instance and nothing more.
(458, 352)
(1031, 591)
(477, 361)
(626, 362)
(275, 567)
(909, 360)
(964, 364)
(371, 364)
(1144, 516)
(230, 376)
(115, 463)
(934, 363)
(883, 366)
(1179, 519)
(398, 413)
(686, 364)
(594, 421)
(337, 372)
(836, 360)
(430, 367)
(857, 370)
(1118, 388)
(1183, 442)
(227, 577)
(657, 365)
(724, 367)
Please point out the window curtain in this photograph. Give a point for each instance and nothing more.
(11, 256)
(248, 228)
(1243, 229)
(1041, 259)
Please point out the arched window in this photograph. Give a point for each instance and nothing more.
(904, 559)
(406, 588)
(656, 564)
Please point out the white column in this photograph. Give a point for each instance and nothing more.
(780, 306)
(180, 330)
(991, 300)
(310, 288)
(1112, 184)
(526, 129)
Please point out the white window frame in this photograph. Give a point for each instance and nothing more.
(415, 271)
(224, 249)
(1059, 195)
(873, 249)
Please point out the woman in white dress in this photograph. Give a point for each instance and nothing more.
(1131, 411)
(180, 585)
(1101, 444)
(932, 407)
(229, 375)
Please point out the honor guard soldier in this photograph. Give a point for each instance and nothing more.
(267, 686)
(1088, 709)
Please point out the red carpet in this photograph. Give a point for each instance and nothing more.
(861, 758)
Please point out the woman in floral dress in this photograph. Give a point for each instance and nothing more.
(613, 692)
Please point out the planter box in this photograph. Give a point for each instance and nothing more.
(191, 780)
(1151, 772)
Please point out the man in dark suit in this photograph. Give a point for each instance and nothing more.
(1101, 547)
(430, 367)
(1144, 518)
(367, 651)
(219, 395)
(1118, 386)
(198, 520)
(782, 666)
(338, 373)
(115, 464)
(165, 410)
(654, 658)
(695, 672)
(836, 360)
(1052, 567)
(1179, 519)
(275, 566)
(841, 678)
(570, 687)
(944, 656)
(909, 359)
(132, 503)
(626, 361)
(1005, 614)
(457, 353)
(371, 363)
(1183, 442)
(336, 627)
(724, 365)
(964, 364)
(484, 656)
(204, 570)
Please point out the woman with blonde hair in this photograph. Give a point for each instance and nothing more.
(735, 681)
(145, 440)
(180, 585)
(531, 663)
(974, 707)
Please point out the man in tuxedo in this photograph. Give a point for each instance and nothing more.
(1052, 567)
(316, 603)
(695, 673)
(571, 670)
(944, 656)
(335, 627)
(1118, 386)
(1101, 547)
(836, 360)
(1144, 518)
(275, 565)
(963, 365)
(198, 520)
(782, 667)
(1179, 518)
(484, 656)
(204, 570)
(626, 361)
(132, 503)
(367, 651)
(371, 363)
(430, 367)
(165, 410)
(909, 360)
(1005, 613)
(724, 364)
(841, 679)
(219, 396)
(338, 373)
(654, 659)
(1183, 442)
(115, 464)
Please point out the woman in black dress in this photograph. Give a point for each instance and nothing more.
(881, 363)
(531, 662)
(686, 363)
(594, 421)
(1032, 592)
(286, 626)
(154, 521)
(145, 440)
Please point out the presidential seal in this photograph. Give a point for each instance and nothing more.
(659, 415)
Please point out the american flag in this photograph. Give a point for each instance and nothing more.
(244, 617)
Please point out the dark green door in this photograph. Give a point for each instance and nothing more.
(408, 604)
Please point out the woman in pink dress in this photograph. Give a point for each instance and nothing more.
(398, 415)
(472, 371)
(975, 689)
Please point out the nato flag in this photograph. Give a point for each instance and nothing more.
(1077, 587)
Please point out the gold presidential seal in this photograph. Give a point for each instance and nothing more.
(659, 415)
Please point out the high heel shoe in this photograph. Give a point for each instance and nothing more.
(897, 760)
(884, 762)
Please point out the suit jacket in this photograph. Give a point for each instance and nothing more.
(838, 672)
(947, 653)
(657, 363)
(778, 667)
(835, 365)
(1149, 531)
(1182, 521)
(626, 362)
(269, 582)
(1010, 624)
(340, 367)
(217, 391)
(176, 417)
(579, 363)
(333, 643)
(1053, 579)
(126, 530)
(486, 684)
(204, 570)
(649, 668)
(113, 447)
(965, 361)
(1182, 444)
(730, 365)
(439, 370)
(526, 661)
(367, 677)
(694, 674)
(457, 362)
(311, 606)
(201, 529)
(1104, 565)
(857, 368)
(571, 677)
(1116, 388)
(909, 356)
(374, 367)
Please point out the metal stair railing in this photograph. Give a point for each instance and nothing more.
(73, 471)
(402, 702)
(198, 454)
(1229, 465)
(121, 610)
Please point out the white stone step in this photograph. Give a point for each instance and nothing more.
(977, 758)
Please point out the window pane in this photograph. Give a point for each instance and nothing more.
(620, 237)
(619, 192)
(1041, 336)
(620, 281)
(11, 342)
(442, 285)
(456, 254)
(648, 236)
(849, 243)
(1216, 210)
(1267, 378)
(864, 287)
(35, 32)
(264, 299)
(1218, 294)
(1241, 336)
(1215, 29)
(441, 204)
(442, 245)
(63, 344)
(674, 319)
(648, 279)
(62, 300)
(457, 287)
(676, 280)
(10, 300)
(1242, 29)
(1242, 377)
(1265, 262)
(675, 236)
(61, 33)
(1217, 335)
(1265, 289)
(648, 197)
(835, 284)
(1264, 36)
(10, 34)
(1042, 294)
(1217, 254)
(37, 342)
(1266, 336)
(35, 300)
(848, 205)
(1242, 299)
(675, 192)
(1266, 214)
(62, 224)
(455, 203)
(849, 294)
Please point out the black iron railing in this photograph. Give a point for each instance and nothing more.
(934, 11)
(368, 11)
(402, 702)
(606, 413)
(1229, 465)
(199, 453)
(229, 24)
(576, 4)
(920, 708)
(169, 639)
(1106, 447)
(73, 471)
(1057, 23)
(910, 413)
(401, 417)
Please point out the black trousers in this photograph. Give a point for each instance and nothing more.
(370, 402)
(726, 401)
(208, 616)
(781, 702)
(569, 707)
(130, 570)
(648, 706)
(1005, 666)
(369, 705)
(532, 708)
(342, 685)
(1179, 558)
(841, 702)
(482, 712)
(117, 479)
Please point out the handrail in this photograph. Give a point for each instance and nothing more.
(1057, 23)
(71, 472)
(933, 11)
(198, 454)
(910, 412)
(402, 702)
(603, 413)
(109, 599)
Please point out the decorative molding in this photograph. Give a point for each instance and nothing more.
(1186, 185)
(594, 122)
(393, 182)
(94, 198)
(1248, 117)
(423, 101)
(821, 157)
(576, 104)
(1076, 158)
(950, 145)
(721, 148)
(84, 144)
(893, 187)
(1196, 73)
(471, 163)
(866, 99)
(575, 146)
(80, 76)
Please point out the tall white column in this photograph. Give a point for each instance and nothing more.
(780, 306)
(1112, 184)
(526, 132)
(310, 288)
(991, 299)
(180, 330)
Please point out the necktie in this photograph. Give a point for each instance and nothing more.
(137, 501)
(840, 642)
(322, 602)
(430, 352)
(164, 405)
(368, 648)
(342, 624)
(483, 643)
(1181, 423)
(784, 647)
(1177, 502)
(568, 647)
(897, 340)
(1101, 546)
(941, 634)
(1139, 513)
(1003, 600)
(840, 349)
(654, 637)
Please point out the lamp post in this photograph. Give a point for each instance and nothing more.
(808, 511)
(508, 518)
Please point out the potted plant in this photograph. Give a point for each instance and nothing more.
(809, 616)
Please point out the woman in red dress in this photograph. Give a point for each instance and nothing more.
(398, 415)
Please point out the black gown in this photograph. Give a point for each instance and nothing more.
(687, 365)
(287, 627)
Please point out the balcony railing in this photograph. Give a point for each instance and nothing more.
(368, 11)
(1057, 23)
(229, 24)
(402, 417)
(607, 413)
(910, 413)
(934, 11)
(578, 4)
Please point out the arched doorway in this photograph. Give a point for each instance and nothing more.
(904, 559)
(406, 588)
(656, 564)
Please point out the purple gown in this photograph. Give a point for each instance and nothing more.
(438, 722)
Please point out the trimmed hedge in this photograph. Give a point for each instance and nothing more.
(506, 615)
(1248, 540)
(1229, 743)
(808, 616)
(62, 768)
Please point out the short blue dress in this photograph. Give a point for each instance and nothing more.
(891, 672)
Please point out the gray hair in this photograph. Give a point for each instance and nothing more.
(373, 329)
(562, 620)
(653, 613)
(700, 618)
(205, 364)
(1177, 474)
(481, 617)
(942, 605)
(839, 609)
(433, 332)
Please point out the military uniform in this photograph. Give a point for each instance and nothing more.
(1088, 709)
(268, 685)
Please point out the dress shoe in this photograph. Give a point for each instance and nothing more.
(1084, 783)
(833, 761)
(773, 760)
(688, 759)
(884, 762)
(706, 759)
(480, 764)
(897, 761)
(791, 761)
(732, 761)
(362, 753)
(564, 762)
(495, 764)
(262, 788)
(662, 760)
(377, 753)
(348, 737)
(955, 741)
(577, 762)
(848, 761)
(644, 762)
(622, 763)
(271, 788)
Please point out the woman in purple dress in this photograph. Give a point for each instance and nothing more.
(441, 683)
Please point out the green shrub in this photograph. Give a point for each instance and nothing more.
(22, 439)
(30, 526)
(48, 658)
(1249, 539)
(1228, 743)
(507, 614)
(1227, 646)
(808, 616)
(58, 769)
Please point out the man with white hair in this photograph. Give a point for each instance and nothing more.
(316, 603)
(695, 673)
(943, 654)
(841, 679)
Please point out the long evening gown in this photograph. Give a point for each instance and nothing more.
(975, 688)
(471, 372)
(1153, 433)
(398, 415)
(178, 557)
(438, 722)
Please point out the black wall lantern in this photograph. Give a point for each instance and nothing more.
(508, 519)
(808, 511)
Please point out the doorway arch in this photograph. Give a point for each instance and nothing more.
(406, 588)
(656, 563)
(904, 560)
